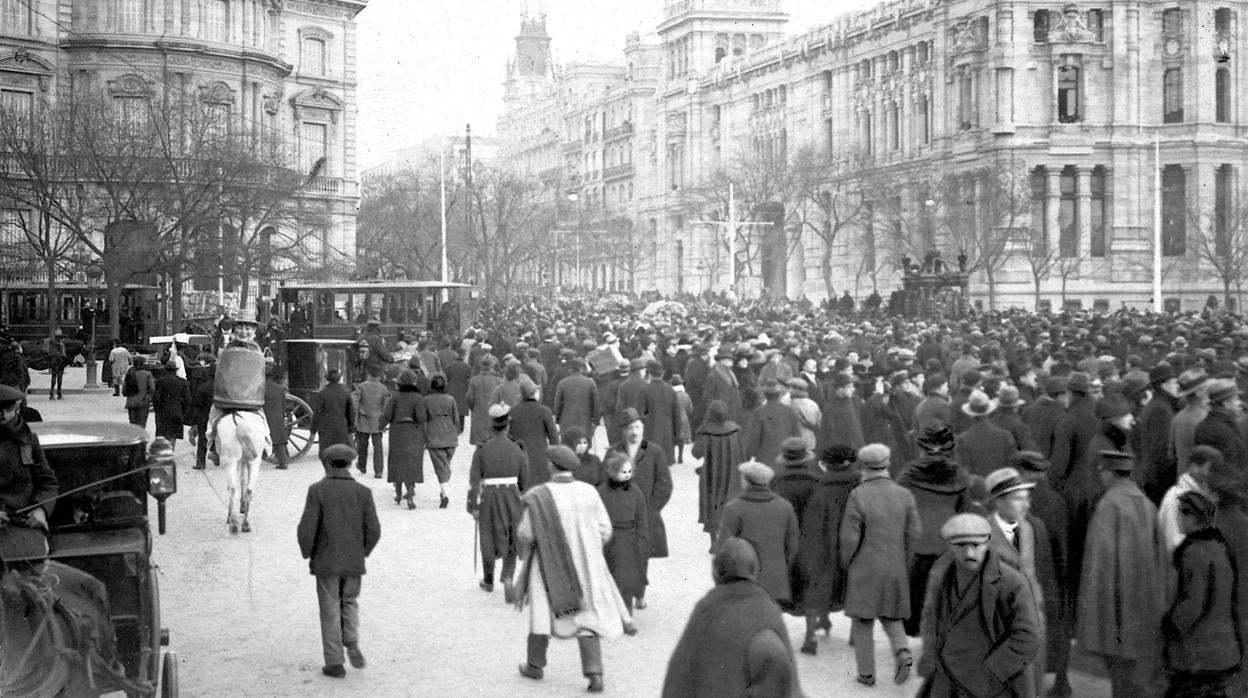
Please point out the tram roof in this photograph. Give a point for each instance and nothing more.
(380, 284)
(70, 434)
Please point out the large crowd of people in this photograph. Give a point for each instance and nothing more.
(1079, 480)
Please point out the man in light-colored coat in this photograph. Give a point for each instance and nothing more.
(368, 402)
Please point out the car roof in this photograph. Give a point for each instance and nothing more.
(53, 435)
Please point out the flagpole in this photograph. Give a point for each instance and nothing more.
(1157, 302)
(442, 191)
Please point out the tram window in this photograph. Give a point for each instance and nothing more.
(359, 308)
(69, 308)
(415, 307)
(325, 308)
(342, 308)
(393, 312)
(377, 306)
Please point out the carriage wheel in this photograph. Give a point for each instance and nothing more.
(298, 429)
(169, 675)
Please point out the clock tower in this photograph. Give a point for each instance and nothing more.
(531, 72)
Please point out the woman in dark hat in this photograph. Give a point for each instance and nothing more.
(406, 414)
(442, 431)
(795, 481)
(941, 489)
(590, 470)
(821, 524)
(629, 546)
(718, 444)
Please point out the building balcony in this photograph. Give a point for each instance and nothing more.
(624, 129)
(618, 172)
(574, 145)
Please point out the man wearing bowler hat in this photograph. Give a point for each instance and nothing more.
(980, 629)
(1157, 470)
(338, 529)
(1122, 588)
(984, 446)
(1193, 391)
(721, 384)
(651, 474)
(332, 420)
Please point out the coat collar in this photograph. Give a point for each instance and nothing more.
(339, 474)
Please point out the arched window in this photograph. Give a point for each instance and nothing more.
(1172, 96)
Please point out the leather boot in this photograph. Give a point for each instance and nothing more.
(591, 656)
(537, 651)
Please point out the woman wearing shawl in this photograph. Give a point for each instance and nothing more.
(717, 443)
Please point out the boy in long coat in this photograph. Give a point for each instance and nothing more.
(1122, 590)
(495, 481)
(767, 521)
(980, 630)
(878, 537)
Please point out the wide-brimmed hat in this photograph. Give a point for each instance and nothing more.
(724, 352)
(979, 404)
(1191, 380)
(1003, 481)
(1116, 461)
(1007, 396)
(772, 389)
(1222, 389)
(626, 417)
(1032, 461)
(935, 435)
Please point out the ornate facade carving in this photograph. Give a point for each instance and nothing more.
(130, 86)
(216, 93)
(1071, 26)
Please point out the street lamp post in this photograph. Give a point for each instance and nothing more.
(94, 274)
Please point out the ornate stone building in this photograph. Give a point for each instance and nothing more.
(283, 67)
(1075, 98)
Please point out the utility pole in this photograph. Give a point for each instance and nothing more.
(1158, 304)
(468, 176)
(732, 224)
(442, 210)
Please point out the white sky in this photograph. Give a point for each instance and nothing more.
(427, 67)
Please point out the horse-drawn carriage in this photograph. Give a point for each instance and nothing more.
(84, 619)
(306, 362)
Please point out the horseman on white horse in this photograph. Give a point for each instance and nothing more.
(236, 422)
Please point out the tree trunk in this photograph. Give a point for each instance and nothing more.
(1036, 296)
(992, 289)
(176, 285)
(1226, 293)
(114, 308)
(54, 302)
(826, 265)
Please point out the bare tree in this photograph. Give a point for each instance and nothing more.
(1068, 268)
(1041, 258)
(513, 219)
(400, 225)
(1222, 243)
(994, 217)
(839, 207)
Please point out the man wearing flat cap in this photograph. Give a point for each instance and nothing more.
(651, 474)
(877, 538)
(1122, 587)
(577, 402)
(495, 481)
(767, 521)
(632, 392)
(980, 629)
(563, 575)
(338, 529)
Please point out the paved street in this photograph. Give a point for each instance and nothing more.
(241, 610)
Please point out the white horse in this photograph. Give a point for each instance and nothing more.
(242, 439)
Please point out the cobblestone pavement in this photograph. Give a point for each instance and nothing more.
(241, 610)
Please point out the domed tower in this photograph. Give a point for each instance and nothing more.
(532, 70)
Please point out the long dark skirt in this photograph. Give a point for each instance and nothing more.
(626, 556)
(498, 518)
(406, 460)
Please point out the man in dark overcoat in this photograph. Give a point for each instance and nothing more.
(197, 414)
(458, 373)
(378, 355)
(338, 529)
(632, 392)
(768, 522)
(331, 413)
(1074, 434)
(533, 427)
(1157, 470)
(983, 446)
(138, 386)
(696, 370)
(561, 369)
(652, 474)
(980, 628)
(480, 388)
(576, 401)
(495, 480)
(275, 415)
(610, 392)
(721, 384)
(170, 401)
(1044, 416)
(662, 412)
(769, 425)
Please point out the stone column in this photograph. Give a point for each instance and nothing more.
(1052, 204)
(1083, 189)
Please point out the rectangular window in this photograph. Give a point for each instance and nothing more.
(925, 131)
(131, 113)
(313, 144)
(1222, 195)
(1222, 95)
(1039, 221)
(894, 128)
(1068, 214)
(312, 62)
(1172, 21)
(14, 17)
(16, 104)
(129, 18)
(1222, 21)
(1096, 24)
(1172, 96)
(1098, 212)
(827, 135)
(1040, 27)
(868, 145)
(966, 103)
(1173, 211)
(1068, 94)
(216, 20)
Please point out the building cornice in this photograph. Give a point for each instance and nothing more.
(167, 46)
